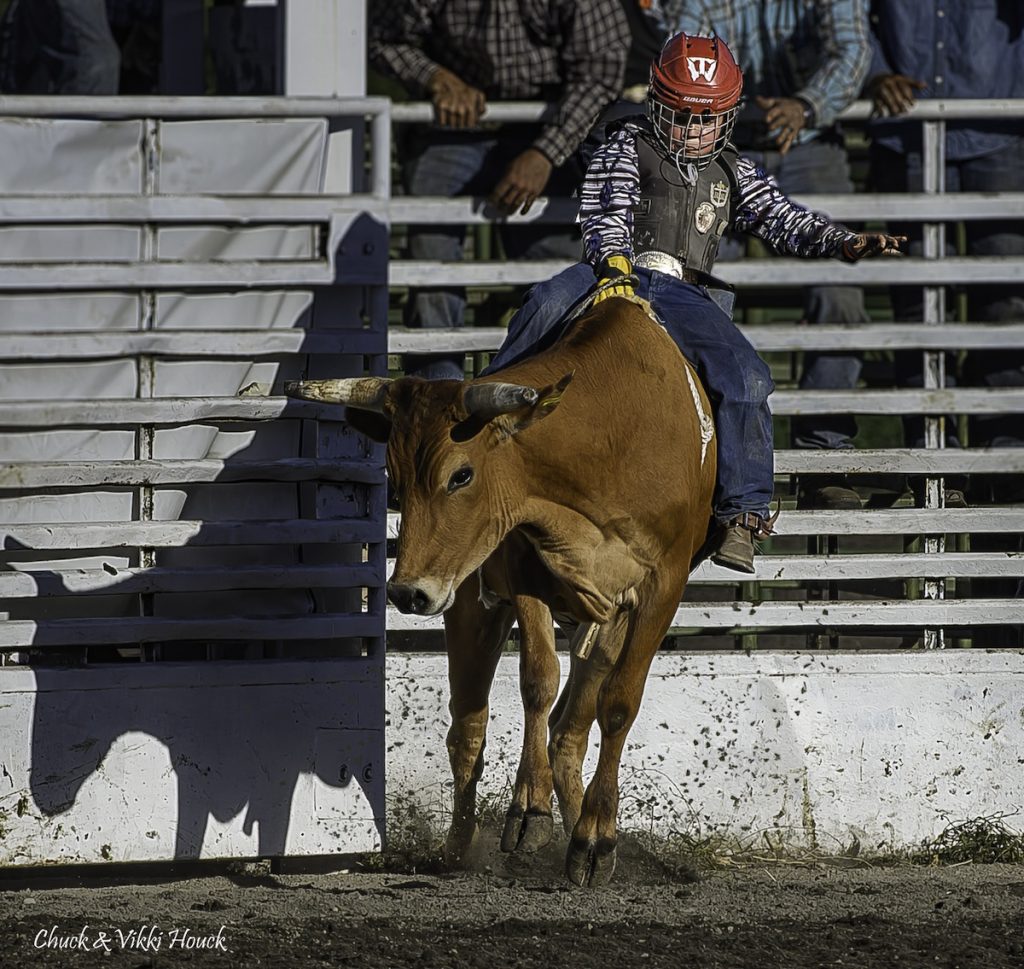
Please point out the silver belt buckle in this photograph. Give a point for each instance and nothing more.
(660, 262)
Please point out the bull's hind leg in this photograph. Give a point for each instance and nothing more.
(591, 856)
(474, 637)
(528, 824)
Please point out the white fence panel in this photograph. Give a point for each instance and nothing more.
(192, 647)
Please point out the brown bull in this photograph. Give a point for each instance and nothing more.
(576, 484)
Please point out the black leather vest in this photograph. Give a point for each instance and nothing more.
(684, 220)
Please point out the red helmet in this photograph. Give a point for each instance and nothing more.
(693, 98)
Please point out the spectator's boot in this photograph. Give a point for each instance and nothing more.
(836, 496)
(831, 493)
(736, 547)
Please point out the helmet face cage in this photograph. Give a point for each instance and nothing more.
(689, 137)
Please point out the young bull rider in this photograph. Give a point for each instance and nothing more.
(656, 199)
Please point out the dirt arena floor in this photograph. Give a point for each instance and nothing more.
(520, 912)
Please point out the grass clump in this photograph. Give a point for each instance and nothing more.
(979, 841)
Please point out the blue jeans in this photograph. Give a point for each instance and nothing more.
(450, 163)
(817, 166)
(738, 382)
(1000, 171)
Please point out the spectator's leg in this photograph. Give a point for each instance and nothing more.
(445, 166)
(738, 383)
(77, 46)
(823, 167)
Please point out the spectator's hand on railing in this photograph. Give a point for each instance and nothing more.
(456, 103)
(893, 93)
(522, 182)
(785, 118)
(869, 244)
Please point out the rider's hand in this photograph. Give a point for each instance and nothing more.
(785, 117)
(524, 179)
(893, 93)
(869, 244)
(456, 103)
(614, 278)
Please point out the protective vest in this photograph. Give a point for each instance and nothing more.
(687, 221)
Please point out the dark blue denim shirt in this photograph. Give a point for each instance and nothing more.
(960, 49)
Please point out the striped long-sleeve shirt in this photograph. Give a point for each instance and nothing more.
(611, 190)
(572, 52)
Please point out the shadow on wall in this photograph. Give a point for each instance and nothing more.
(251, 746)
(289, 740)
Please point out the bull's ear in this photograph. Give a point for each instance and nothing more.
(375, 426)
(547, 400)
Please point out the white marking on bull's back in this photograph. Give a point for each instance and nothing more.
(707, 425)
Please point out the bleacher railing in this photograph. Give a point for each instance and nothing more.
(332, 547)
(932, 271)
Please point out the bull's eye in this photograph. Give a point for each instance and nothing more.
(460, 479)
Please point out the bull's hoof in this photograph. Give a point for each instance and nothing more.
(526, 831)
(458, 845)
(590, 864)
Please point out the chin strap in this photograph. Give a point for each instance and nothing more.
(687, 170)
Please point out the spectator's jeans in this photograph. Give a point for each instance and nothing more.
(66, 48)
(459, 163)
(738, 382)
(1001, 171)
(819, 166)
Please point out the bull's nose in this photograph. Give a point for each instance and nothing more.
(408, 598)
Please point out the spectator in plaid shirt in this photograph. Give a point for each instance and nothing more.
(461, 54)
(803, 62)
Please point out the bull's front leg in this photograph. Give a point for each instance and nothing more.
(571, 721)
(474, 638)
(591, 856)
(528, 824)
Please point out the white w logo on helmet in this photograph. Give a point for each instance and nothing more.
(702, 67)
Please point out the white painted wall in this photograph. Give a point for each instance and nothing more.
(167, 761)
(161, 761)
(818, 749)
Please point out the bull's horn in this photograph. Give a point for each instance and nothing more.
(364, 393)
(491, 399)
